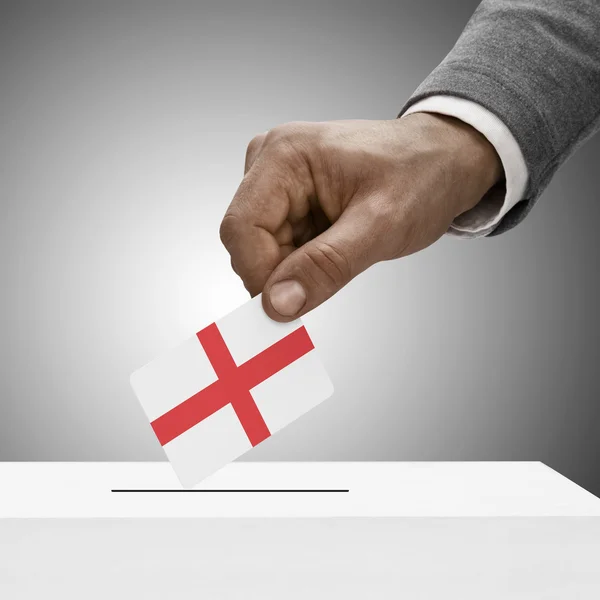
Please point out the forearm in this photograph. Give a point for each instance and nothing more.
(535, 64)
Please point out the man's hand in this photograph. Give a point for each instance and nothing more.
(321, 202)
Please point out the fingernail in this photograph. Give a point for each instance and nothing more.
(287, 297)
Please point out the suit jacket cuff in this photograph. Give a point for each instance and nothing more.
(485, 217)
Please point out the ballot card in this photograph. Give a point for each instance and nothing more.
(228, 388)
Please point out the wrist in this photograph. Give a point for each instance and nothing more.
(469, 157)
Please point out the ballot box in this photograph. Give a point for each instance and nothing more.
(297, 530)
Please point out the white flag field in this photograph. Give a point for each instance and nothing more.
(228, 388)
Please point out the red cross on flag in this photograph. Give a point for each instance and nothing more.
(228, 388)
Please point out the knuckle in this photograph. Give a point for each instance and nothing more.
(285, 131)
(229, 229)
(329, 261)
(255, 145)
(286, 140)
(276, 135)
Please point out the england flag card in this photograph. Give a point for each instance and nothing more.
(228, 388)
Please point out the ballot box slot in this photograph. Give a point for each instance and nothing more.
(227, 491)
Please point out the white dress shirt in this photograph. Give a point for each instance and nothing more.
(482, 219)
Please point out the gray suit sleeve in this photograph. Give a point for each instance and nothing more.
(536, 65)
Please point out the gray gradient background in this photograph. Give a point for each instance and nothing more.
(123, 128)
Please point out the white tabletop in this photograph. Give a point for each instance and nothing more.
(336, 489)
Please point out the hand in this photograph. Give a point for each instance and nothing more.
(321, 202)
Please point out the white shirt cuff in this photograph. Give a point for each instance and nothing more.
(484, 217)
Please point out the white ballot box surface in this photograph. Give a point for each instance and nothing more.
(297, 530)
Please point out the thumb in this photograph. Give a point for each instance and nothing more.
(317, 270)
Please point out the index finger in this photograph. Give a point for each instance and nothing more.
(254, 229)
